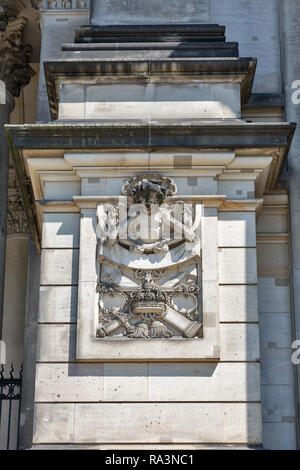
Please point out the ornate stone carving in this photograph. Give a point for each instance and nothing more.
(12, 8)
(141, 293)
(16, 218)
(152, 189)
(15, 70)
(149, 303)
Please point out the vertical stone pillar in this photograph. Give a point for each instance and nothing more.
(58, 26)
(6, 107)
(15, 73)
(30, 347)
(289, 14)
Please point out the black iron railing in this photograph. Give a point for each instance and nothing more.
(10, 408)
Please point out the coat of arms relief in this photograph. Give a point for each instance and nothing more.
(149, 255)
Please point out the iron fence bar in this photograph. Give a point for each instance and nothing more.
(1, 392)
(1, 388)
(19, 411)
(13, 393)
(8, 426)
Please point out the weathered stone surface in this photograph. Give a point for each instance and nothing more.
(236, 229)
(200, 134)
(238, 303)
(58, 304)
(274, 295)
(61, 230)
(204, 382)
(278, 403)
(56, 343)
(237, 266)
(275, 330)
(254, 38)
(69, 382)
(58, 191)
(123, 382)
(150, 101)
(55, 33)
(279, 436)
(273, 260)
(151, 423)
(237, 189)
(107, 12)
(276, 367)
(15, 299)
(273, 223)
(239, 342)
(59, 267)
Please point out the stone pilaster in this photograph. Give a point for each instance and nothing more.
(290, 12)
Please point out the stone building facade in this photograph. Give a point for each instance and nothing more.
(126, 112)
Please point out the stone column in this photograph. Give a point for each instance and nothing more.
(6, 107)
(289, 15)
(15, 73)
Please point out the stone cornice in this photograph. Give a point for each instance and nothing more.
(197, 134)
(224, 69)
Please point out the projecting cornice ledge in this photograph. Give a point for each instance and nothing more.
(182, 136)
(195, 134)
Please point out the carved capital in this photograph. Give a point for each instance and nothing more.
(12, 8)
(15, 70)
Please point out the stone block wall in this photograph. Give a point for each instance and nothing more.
(99, 404)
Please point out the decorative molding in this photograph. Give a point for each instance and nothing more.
(64, 4)
(16, 217)
(241, 205)
(272, 238)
